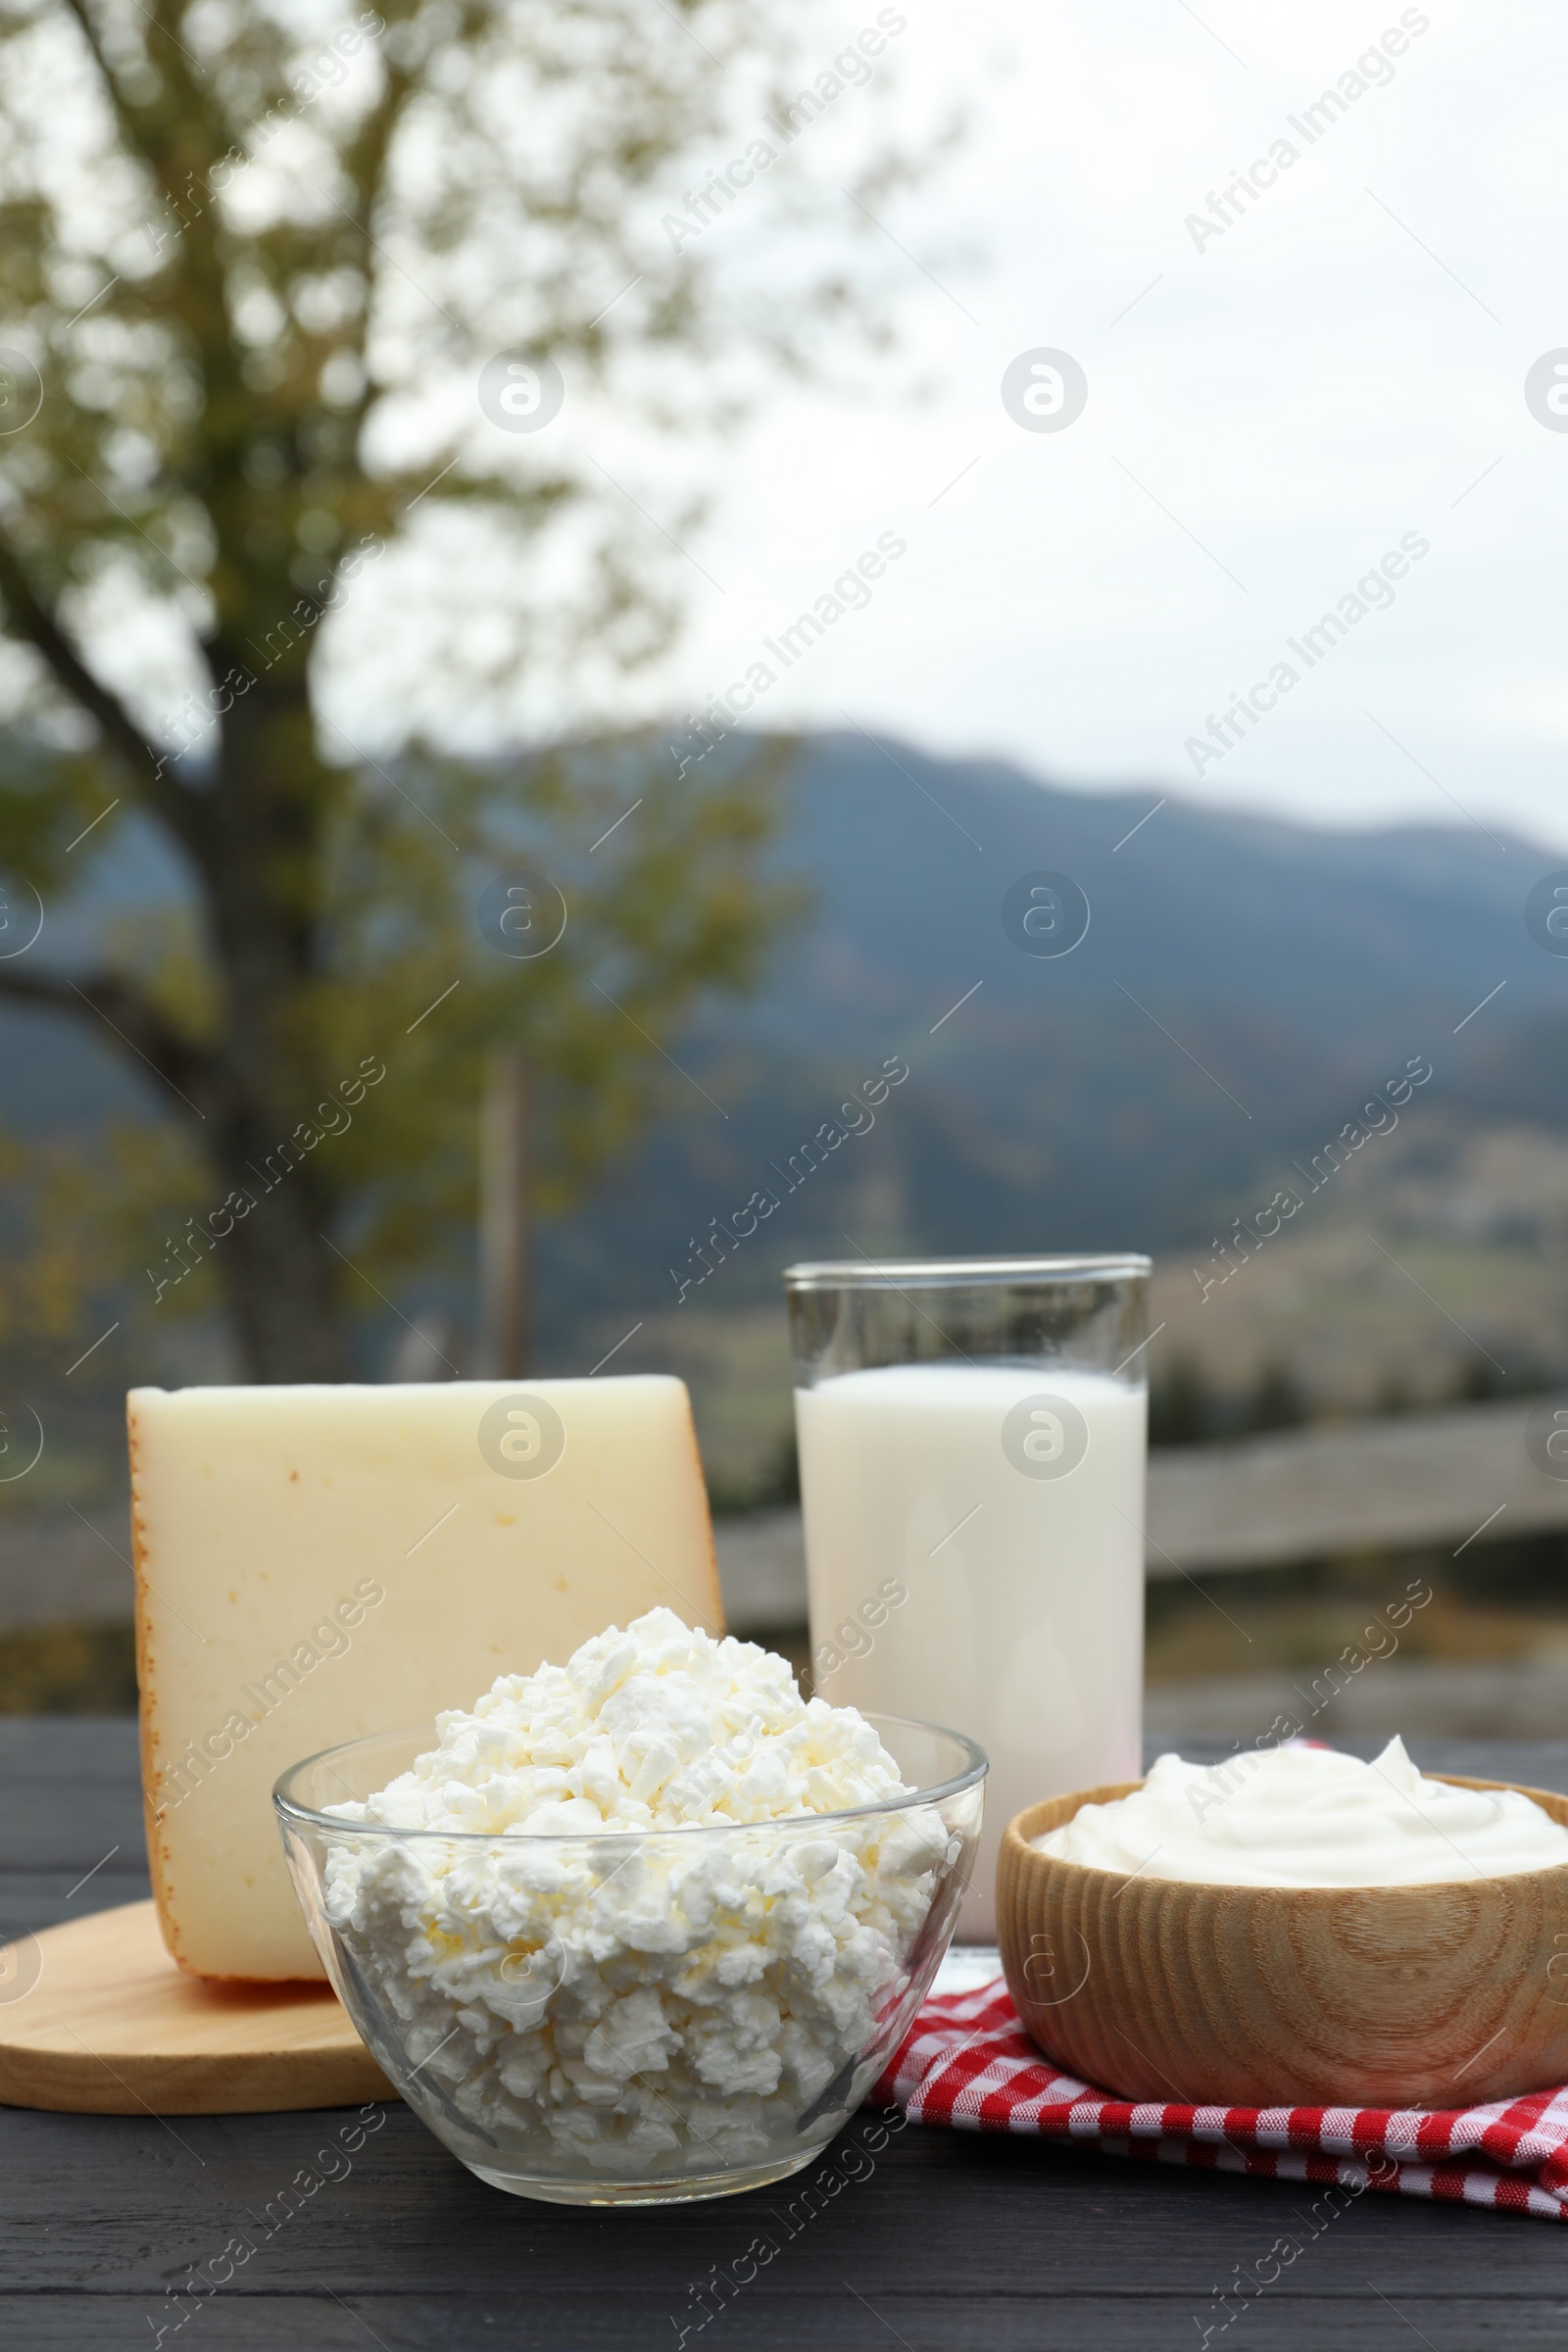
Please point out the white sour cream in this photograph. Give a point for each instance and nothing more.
(1308, 1817)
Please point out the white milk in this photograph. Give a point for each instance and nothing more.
(1021, 1616)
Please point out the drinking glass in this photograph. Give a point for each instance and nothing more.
(973, 1437)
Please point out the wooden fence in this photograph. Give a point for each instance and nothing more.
(1459, 1477)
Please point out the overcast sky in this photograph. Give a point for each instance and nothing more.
(1273, 407)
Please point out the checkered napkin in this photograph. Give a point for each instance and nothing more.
(968, 2063)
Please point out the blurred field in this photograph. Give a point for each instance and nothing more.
(1472, 1267)
(1467, 1296)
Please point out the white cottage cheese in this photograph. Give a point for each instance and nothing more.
(631, 1997)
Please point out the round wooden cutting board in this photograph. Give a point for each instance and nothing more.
(95, 2019)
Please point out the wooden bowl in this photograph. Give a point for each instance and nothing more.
(1272, 1996)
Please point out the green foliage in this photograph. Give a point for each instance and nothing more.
(1183, 1410)
(669, 908)
(1278, 1401)
(256, 278)
(68, 1670)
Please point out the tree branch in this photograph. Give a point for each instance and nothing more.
(33, 619)
(184, 1067)
(363, 161)
(89, 33)
(180, 145)
(144, 125)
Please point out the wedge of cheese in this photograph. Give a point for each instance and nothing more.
(313, 1564)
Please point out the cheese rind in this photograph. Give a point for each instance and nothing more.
(314, 1564)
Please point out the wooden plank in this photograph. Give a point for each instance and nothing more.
(762, 1570)
(72, 1834)
(43, 1898)
(56, 1569)
(1426, 1477)
(956, 2241)
(953, 2239)
(1407, 1696)
(608, 2318)
(1429, 1478)
(98, 2020)
(1432, 1478)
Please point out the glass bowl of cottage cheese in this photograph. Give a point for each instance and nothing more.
(642, 1928)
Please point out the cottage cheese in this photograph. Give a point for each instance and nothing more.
(657, 1960)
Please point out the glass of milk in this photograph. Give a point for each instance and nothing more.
(973, 1435)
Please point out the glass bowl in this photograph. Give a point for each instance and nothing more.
(635, 2018)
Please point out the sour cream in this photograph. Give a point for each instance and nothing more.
(1308, 1817)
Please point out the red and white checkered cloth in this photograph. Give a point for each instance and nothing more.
(968, 2063)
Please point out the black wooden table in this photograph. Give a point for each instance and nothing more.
(936, 2240)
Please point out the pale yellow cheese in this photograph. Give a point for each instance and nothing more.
(313, 1564)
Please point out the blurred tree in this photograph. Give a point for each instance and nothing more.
(1278, 1401)
(1479, 1379)
(1182, 1405)
(247, 284)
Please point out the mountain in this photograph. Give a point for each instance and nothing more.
(1241, 987)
